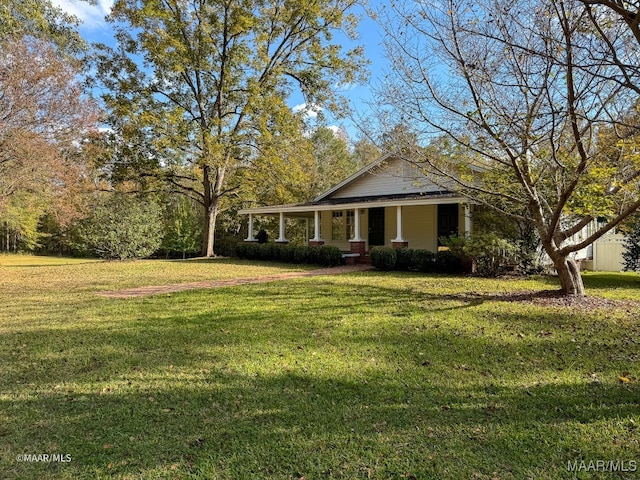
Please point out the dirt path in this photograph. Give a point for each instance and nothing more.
(178, 287)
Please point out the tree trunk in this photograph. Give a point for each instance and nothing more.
(569, 276)
(208, 241)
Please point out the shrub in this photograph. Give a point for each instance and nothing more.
(383, 258)
(251, 251)
(266, 251)
(329, 256)
(313, 255)
(490, 253)
(286, 253)
(301, 254)
(423, 261)
(123, 226)
(404, 259)
(448, 262)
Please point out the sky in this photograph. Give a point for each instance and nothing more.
(94, 28)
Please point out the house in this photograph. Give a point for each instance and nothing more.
(389, 202)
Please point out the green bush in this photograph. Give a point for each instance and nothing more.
(286, 253)
(423, 261)
(329, 256)
(301, 254)
(383, 258)
(267, 251)
(448, 262)
(404, 259)
(490, 253)
(123, 226)
(313, 255)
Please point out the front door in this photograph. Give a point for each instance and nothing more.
(447, 221)
(376, 227)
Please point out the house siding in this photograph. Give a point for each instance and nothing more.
(391, 179)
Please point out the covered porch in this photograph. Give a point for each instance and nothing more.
(358, 224)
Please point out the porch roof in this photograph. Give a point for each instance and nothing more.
(307, 209)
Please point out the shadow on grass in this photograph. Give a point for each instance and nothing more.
(353, 381)
(291, 425)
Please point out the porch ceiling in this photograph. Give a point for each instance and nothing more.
(305, 210)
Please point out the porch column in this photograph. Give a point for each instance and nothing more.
(281, 238)
(250, 237)
(357, 244)
(356, 226)
(399, 242)
(467, 220)
(316, 241)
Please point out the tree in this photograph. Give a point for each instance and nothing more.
(122, 226)
(206, 82)
(523, 91)
(628, 11)
(42, 20)
(332, 161)
(183, 231)
(631, 255)
(364, 152)
(44, 122)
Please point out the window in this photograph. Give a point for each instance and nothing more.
(337, 226)
(351, 224)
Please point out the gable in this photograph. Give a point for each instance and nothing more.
(387, 176)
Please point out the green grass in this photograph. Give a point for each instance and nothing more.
(368, 375)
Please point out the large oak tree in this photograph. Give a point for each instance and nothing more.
(531, 94)
(203, 85)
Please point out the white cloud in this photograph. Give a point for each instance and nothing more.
(309, 111)
(91, 15)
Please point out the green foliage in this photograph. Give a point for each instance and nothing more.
(329, 255)
(332, 160)
(489, 253)
(422, 260)
(19, 223)
(183, 227)
(326, 255)
(383, 258)
(210, 98)
(631, 254)
(404, 259)
(123, 226)
(43, 20)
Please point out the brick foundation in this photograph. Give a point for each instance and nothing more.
(397, 245)
(358, 247)
(316, 243)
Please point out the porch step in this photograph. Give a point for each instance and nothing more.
(364, 260)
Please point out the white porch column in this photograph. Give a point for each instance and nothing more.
(316, 226)
(250, 233)
(467, 220)
(356, 226)
(281, 238)
(398, 225)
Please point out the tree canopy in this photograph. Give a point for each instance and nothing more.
(203, 86)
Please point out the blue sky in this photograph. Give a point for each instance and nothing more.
(95, 29)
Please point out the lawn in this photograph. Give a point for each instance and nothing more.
(364, 375)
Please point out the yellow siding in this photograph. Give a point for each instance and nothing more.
(420, 225)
